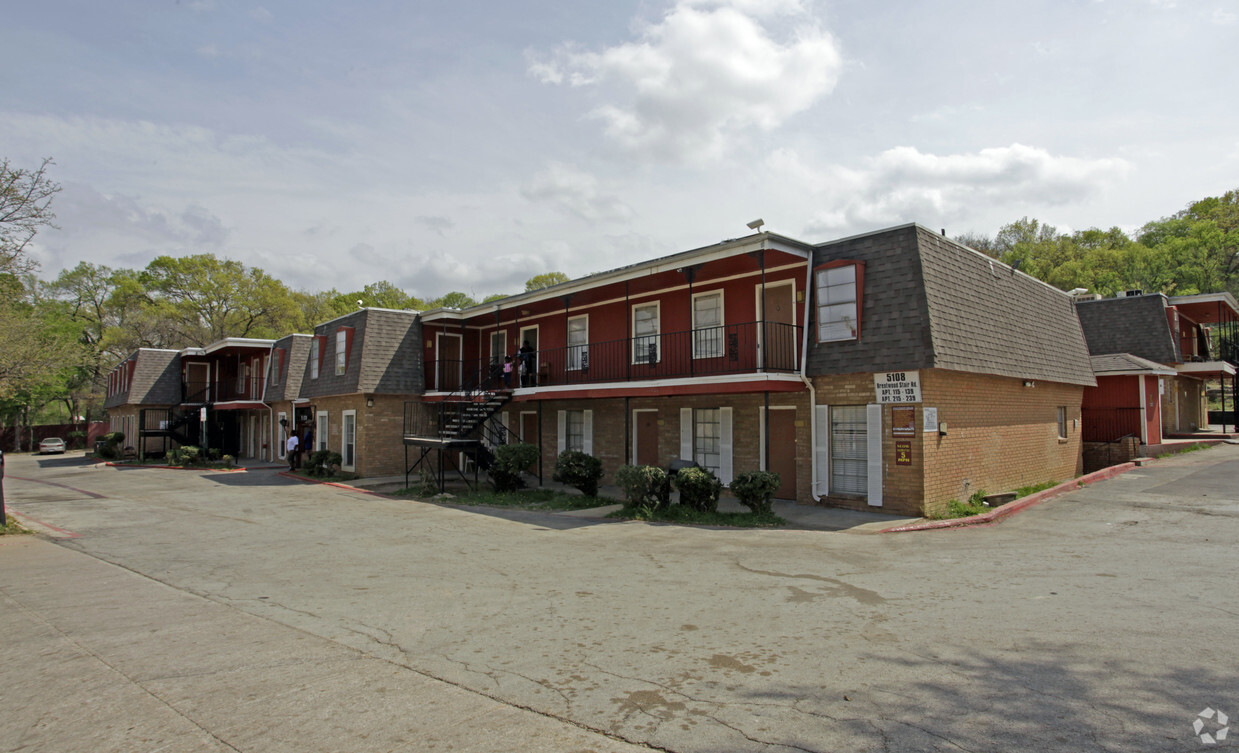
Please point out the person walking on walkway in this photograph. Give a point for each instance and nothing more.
(294, 452)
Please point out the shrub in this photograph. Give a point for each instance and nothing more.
(578, 470)
(699, 489)
(644, 486)
(186, 455)
(228, 461)
(511, 460)
(754, 489)
(324, 463)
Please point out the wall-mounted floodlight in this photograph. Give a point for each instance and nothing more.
(756, 224)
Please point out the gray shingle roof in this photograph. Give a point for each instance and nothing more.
(385, 358)
(929, 302)
(1136, 325)
(297, 350)
(156, 379)
(987, 318)
(1126, 363)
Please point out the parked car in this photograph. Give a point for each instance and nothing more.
(52, 445)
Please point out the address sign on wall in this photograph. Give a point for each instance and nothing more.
(898, 386)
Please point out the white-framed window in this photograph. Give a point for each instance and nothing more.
(708, 324)
(576, 431)
(838, 298)
(320, 431)
(578, 343)
(314, 347)
(282, 445)
(348, 440)
(341, 352)
(243, 374)
(1062, 422)
(498, 346)
(707, 438)
(645, 331)
(849, 450)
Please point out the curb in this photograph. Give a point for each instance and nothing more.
(1018, 505)
(176, 467)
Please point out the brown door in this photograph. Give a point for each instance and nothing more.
(449, 363)
(783, 451)
(779, 335)
(529, 434)
(647, 437)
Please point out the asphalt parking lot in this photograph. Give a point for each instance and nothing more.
(177, 610)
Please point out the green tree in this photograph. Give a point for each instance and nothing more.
(208, 299)
(380, 294)
(453, 300)
(546, 280)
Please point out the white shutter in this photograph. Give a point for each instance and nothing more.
(562, 434)
(725, 463)
(588, 430)
(686, 433)
(821, 449)
(873, 421)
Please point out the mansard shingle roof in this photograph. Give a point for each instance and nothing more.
(929, 302)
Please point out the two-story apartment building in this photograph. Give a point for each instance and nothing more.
(1153, 355)
(769, 353)
(210, 397)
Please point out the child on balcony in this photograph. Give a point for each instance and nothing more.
(507, 371)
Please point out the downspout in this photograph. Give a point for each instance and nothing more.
(272, 451)
(804, 358)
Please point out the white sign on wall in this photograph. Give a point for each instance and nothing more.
(930, 419)
(898, 386)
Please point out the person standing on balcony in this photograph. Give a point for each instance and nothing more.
(507, 371)
(528, 362)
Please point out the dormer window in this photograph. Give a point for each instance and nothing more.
(839, 286)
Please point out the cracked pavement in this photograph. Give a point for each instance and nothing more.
(207, 611)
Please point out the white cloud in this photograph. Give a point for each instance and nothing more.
(903, 184)
(706, 73)
(577, 192)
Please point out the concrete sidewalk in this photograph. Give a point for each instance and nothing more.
(97, 658)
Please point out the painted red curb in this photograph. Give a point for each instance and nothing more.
(63, 533)
(337, 484)
(1023, 503)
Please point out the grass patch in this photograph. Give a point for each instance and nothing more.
(522, 499)
(1185, 449)
(1024, 491)
(687, 516)
(13, 528)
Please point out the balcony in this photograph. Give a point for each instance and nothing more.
(733, 349)
(222, 391)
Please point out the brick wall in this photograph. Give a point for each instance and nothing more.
(613, 436)
(380, 442)
(1000, 435)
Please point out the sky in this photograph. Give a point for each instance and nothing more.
(470, 145)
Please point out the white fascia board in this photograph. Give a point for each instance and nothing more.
(1205, 367)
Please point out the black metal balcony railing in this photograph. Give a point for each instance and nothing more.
(1109, 424)
(222, 391)
(729, 349)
